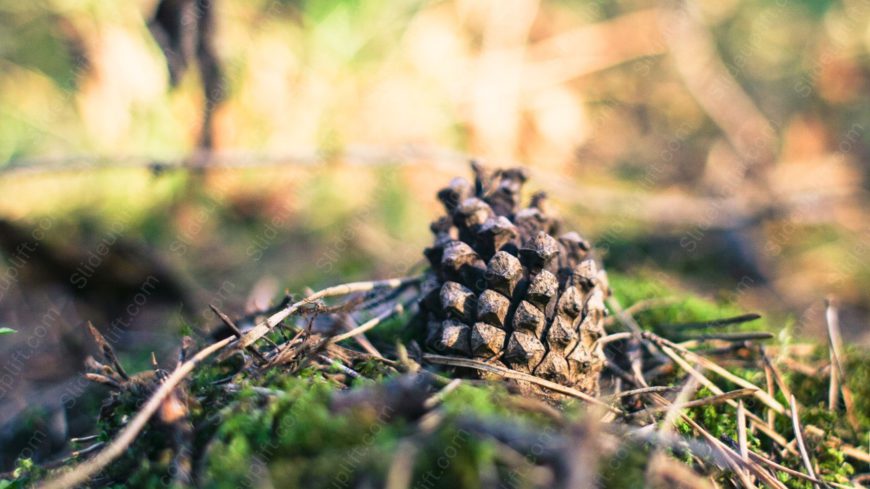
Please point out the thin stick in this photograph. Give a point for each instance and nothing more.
(796, 424)
(82, 472)
(513, 374)
(264, 327)
(371, 323)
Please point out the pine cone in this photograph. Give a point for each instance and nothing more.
(506, 289)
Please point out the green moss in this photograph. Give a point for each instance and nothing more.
(685, 307)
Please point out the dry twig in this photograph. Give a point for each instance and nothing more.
(513, 374)
(261, 329)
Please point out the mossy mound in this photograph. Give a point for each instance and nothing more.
(356, 421)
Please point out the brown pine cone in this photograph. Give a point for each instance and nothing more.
(508, 287)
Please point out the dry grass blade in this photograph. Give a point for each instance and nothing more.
(513, 374)
(716, 399)
(82, 472)
(741, 431)
(777, 375)
(805, 456)
(107, 351)
(834, 384)
(264, 327)
(102, 379)
(833, 322)
(83, 439)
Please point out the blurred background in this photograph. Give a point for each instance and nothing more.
(156, 157)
